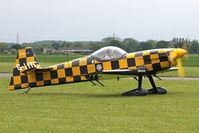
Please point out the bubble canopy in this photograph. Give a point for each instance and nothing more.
(108, 53)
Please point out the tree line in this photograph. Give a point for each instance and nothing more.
(128, 44)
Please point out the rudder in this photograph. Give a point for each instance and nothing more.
(25, 61)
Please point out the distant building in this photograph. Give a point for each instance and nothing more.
(75, 50)
(49, 50)
(68, 50)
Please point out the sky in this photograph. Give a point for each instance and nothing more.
(93, 20)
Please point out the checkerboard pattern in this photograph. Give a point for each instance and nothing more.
(152, 60)
(78, 70)
(25, 61)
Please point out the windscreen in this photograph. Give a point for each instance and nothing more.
(108, 53)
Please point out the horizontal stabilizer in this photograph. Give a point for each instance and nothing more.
(39, 70)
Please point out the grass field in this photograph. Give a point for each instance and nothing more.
(83, 107)
(189, 72)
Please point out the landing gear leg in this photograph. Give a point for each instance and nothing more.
(97, 80)
(90, 78)
(26, 92)
(155, 90)
(137, 92)
(92, 82)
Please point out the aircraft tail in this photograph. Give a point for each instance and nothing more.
(24, 65)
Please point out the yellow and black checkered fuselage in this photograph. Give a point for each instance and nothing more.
(27, 72)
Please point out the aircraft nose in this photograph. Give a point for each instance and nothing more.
(180, 52)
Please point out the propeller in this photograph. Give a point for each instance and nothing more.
(180, 67)
(177, 53)
(185, 48)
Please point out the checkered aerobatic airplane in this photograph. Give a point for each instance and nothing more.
(27, 72)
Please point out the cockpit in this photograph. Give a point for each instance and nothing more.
(108, 53)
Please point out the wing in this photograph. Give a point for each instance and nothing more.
(139, 70)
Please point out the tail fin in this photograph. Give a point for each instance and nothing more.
(25, 61)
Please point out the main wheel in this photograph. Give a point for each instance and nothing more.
(159, 90)
(135, 92)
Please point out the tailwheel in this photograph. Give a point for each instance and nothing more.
(26, 92)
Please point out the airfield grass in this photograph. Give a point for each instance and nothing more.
(188, 71)
(83, 107)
